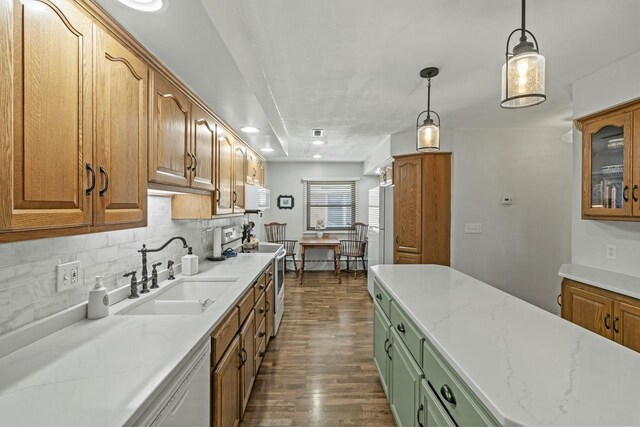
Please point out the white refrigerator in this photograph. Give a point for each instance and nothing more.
(380, 237)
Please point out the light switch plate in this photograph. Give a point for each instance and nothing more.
(473, 228)
(611, 251)
(68, 276)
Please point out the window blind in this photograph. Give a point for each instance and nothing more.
(374, 207)
(335, 202)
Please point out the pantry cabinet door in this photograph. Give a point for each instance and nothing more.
(121, 112)
(203, 145)
(52, 142)
(224, 191)
(168, 159)
(607, 189)
(408, 205)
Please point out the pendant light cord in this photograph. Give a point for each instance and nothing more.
(429, 98)
(523, 35)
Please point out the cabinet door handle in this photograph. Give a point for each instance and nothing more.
(379, 296)
(420, 409)
(397, 240)
(190, 161)
(625, 193)
(89, 190)
(386, 350)
(607, 323)
(558, 300)
(633, 193)
(400, 327)
(195, 162)
(447, 394)
(217, 195)
(235, 197)
(615, 324)
(389, 351)
(105, 176)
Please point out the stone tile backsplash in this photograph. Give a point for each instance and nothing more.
(28, 269)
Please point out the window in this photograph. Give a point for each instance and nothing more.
(374, 207)
(335, 202)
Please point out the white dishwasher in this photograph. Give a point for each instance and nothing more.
(185, 401)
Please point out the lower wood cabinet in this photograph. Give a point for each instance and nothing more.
(248, 361)
(606, 313)
(270, 317)
(226, 388)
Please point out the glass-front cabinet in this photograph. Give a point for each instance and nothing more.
(611, 165)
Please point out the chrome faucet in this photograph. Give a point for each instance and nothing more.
(144, 251)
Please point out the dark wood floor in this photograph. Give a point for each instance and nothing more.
(318, 371)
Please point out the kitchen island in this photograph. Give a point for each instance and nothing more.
(499, 359)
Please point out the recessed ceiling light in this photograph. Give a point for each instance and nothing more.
(267, 150)
(318, 142)
(250, 129)
(317, 156)
(145, 5)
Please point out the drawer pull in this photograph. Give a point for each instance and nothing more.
(420, 409)
(558, 300)
(261, 287)
(261, 354)
(261, 311)
(447, 394)
(261, 334)
(607, 322)
(379, 297)
(615, 324)
(400, 327)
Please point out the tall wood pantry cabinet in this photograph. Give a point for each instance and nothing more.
(611, 164)
(422, 208)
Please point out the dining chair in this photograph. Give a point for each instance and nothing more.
(354, 246)
(276, 233)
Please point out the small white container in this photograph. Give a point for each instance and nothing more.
(190, 264)
(98, 300)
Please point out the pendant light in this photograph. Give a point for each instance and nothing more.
(523, 71)
(428, 133)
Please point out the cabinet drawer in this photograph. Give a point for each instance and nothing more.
(269, 275)
(382, 296)
(460, 402)
(246, 305)
(261, 307)
(409, 334)
(261, 331)
(223, 335)
(435, 412)
(260, 352)
(260, 286)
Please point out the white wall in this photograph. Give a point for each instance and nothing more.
(284, 178)
(522, 246)
(613, 85)
(379, 154)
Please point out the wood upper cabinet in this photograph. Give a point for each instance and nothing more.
(588, 309)
(224, 191)
(239, 160)
(254, 169)
(51, 148)
(203, 148)
(121, 139)
(169, 162)
(226, 388)
(408, 208)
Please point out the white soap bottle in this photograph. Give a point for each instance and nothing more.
(190, 264)
(98, 300)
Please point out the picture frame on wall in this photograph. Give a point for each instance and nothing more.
(285, 202)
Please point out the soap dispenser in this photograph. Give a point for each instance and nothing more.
(98, 300)
(190, 264)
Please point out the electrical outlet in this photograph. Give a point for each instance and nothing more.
(473, 228)
(611, 251)
(68, 276)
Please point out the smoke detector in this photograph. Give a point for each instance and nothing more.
(317, 133)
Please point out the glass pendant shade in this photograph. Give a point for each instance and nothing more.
(523, 80)
(428, 137)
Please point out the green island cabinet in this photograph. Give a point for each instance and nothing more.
(422, 389)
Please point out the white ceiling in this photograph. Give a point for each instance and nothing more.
(351, 66)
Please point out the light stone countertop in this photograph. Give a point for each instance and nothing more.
(108, 371)
(528, 366)
(604, 279)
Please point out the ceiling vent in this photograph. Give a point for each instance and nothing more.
(317, 133)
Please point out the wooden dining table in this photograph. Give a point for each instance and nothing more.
(323, 243)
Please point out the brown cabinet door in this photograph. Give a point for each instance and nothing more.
(270, 318)
(261, 168)
(52, 118)
(247, 368)
(121, 111)
(436, 209)
(168, 159)
(253, 176)
(203, 146)
(408, 205)
(226, 388)
(606, 167)
(587, 309)
(626, 325)
(635, 187)
(408, 258)
(239, 159)
(224, 197)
